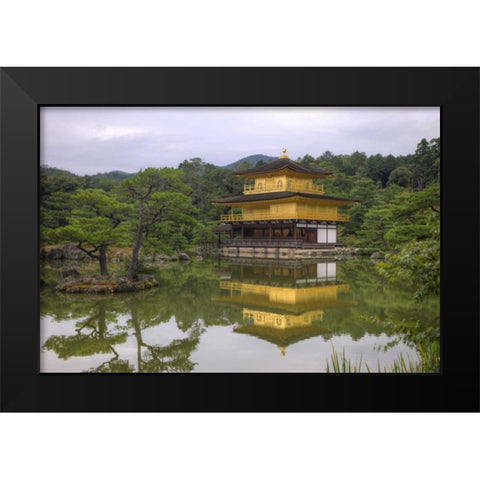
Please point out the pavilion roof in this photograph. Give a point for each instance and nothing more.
(280, 164)
(283, 338)
(277, 196)
(254, 301)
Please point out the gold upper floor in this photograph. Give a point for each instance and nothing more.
(289, 299)
(280, 321)
(285, 210)
(283, 183)
(279, 177)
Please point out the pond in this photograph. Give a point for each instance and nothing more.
(232, 315)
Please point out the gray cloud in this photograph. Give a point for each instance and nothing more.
(87, 140)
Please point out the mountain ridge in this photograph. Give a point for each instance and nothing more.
(251, 160)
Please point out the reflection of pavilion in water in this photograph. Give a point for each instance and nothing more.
(282, 303)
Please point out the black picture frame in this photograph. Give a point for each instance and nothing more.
(24, 90)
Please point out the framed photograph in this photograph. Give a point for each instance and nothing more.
(239, 239)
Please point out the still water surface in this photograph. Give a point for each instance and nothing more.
(232, 316)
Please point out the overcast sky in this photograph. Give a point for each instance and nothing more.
(88, 140)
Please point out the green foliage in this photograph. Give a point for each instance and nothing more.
(364, 190)
(82, 345)
(55, 212)
(418, 263)
(340, 364)
(92, 231)
(376, 224)
(105, 181)
(426, 164)
(396, 197)
(98, 218)
(97, 340)
(245, 165)
(417, 238)
(97, 203)
(378, 167)
(408, 204)
(152, 180)
(158, 195)
(96, 221)
(208, 183)
(204, 236)
(338, 185)
(427, 361)
(53, 180)
(400, 216)
(401, 176)
(398, 234)
(168, 221)
(178, 242)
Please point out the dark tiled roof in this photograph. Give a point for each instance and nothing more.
(276, 196)
(283, 338)
(255, 302)
(278, 165)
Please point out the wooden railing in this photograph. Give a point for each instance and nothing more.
(264, 242)
(249, 189)
(228, 285)
(301, 215)
(275, 242)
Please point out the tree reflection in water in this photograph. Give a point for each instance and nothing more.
(159, 330)
(174, 357)
(92, 334)
(96, 340)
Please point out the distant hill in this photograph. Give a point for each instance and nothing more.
(115, 175)
(252, 160)
(55, 171)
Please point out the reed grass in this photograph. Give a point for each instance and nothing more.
(428, 361)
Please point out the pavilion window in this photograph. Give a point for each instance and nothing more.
(322, 234)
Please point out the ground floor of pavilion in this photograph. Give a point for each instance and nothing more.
(278, 239)
(295, 234)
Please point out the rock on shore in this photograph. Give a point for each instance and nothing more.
(377, 256)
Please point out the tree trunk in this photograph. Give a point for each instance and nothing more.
(102, 320)
(138, 333)
(384, 241)
(132, 269)
(102, 258)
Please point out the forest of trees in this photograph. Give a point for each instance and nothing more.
(169, 209)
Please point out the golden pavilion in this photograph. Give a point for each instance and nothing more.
(282, 303)
(282, 208)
